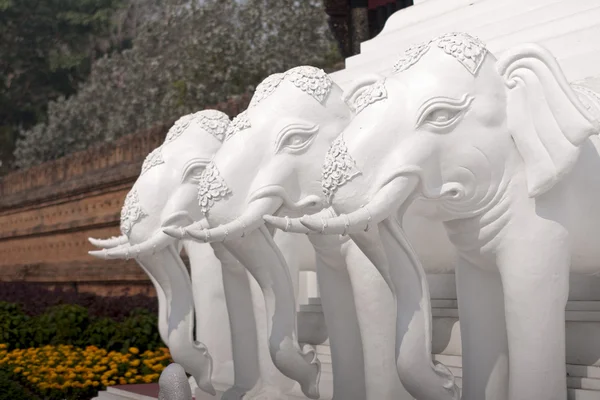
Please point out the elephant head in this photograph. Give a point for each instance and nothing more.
(451, 127)
(168, 175)
(266, 165)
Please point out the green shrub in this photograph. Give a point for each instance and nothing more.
(139, 330)
(12, 390)
(70, 324)
(12, 319)
(101, 332)
(62, 324)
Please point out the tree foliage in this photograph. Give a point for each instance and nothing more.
(189, 56)
(46, 48)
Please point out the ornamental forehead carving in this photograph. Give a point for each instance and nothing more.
(466, 49)
(339, 168)
(372, 94)
(312, 81)
(131, 213)
(213, 121)
(211, 188)
(153, 159)
(238, 124)
(410, 57)
(179, 127)
(266, 88)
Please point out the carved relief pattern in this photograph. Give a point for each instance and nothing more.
(214, 122)
(310, 80)
(266, 88)
(211, 187)
(155, 158)
(179, 127)
(339, 167)
(468, 50)
(238, 124)
(372, 94)
(131, 212)
(410, 57)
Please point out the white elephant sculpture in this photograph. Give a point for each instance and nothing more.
(220, 294)
(188, 147)
(504, 152)
(270, 164)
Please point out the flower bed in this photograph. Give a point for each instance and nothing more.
(69, 352)
(69, 372)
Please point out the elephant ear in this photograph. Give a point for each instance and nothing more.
(545, 117)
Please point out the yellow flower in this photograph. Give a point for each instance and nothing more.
(134, 350)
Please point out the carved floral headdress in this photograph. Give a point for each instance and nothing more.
(212, 121)
(312, 81)
(466, 49)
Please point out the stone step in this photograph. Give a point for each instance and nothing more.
(568, 29)
(580, 394)
(503, 26)
(579, 376)
(488, 18)
(583, 371)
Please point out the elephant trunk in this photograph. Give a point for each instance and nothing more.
(406, 279)
(185, 350)
(163, 293)
(420, 375)
(260, 255)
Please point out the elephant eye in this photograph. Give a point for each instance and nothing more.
(442, 117)
(443, 112)
(193, 170)
(296, 138)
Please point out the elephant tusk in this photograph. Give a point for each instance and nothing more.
(243, 226)
(385, 202)
(282, 223)
(226, 233)
(288, 223)
(368, 219)
(346, 225)
(325, 225)
(342, 225)
(202, 235)
(125, 251)
(110, 242)
(236, 228)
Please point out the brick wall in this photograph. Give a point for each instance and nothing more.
(47, 212)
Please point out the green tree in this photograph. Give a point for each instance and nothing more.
(189, 56)
(47, 47)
